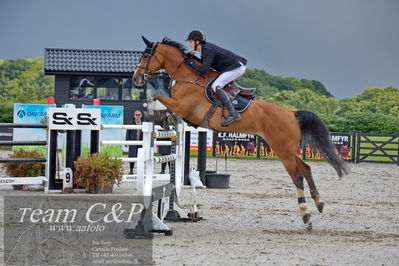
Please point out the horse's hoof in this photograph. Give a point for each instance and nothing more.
(320, 207)
(306, 218)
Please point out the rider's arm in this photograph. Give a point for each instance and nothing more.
(207, 59)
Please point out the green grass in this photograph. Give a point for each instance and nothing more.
(40, 149)
(112, 151)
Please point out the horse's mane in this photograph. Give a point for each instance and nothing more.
(175, 44)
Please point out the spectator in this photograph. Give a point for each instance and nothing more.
(134, 134)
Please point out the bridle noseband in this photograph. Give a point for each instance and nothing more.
(149, 52)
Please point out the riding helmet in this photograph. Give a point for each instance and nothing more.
(196, 35)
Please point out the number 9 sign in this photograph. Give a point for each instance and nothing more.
(68, 178)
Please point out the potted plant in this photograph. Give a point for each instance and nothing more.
(98, 173)
(24, 169)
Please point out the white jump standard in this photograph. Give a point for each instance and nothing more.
(145, 176)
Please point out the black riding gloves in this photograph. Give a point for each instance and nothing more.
(191, 64)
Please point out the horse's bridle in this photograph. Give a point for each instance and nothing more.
(149, 52)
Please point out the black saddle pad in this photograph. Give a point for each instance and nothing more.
(240, 103)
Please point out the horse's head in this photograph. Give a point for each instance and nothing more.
(150, 62)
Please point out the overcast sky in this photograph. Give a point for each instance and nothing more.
(348, 45)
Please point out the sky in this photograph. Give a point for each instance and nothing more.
(348, 45)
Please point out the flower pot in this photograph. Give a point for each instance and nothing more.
(97, 189)
(217, 180)
(17, 187)
(97, 173)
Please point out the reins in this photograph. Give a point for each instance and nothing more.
(150, 52)
(195, 82)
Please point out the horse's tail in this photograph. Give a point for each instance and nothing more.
(315, 133)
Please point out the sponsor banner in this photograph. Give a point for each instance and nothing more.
(30, 114)
(74, 119)
(74, 230)
(266, 151)
(194, 141)
(341, 142)
(111, 115)
(235, 144)
(37, 113)
(240, 144)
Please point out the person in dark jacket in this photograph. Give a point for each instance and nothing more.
(229, 65)
(134, 134)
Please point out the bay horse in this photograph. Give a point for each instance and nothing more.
(281, 128)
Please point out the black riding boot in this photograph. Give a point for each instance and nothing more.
(163, 167)
(233, 114)
(131, 168)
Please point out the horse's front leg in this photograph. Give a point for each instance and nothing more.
(172, 105)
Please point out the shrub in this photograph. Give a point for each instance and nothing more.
(24, 169)
(97, 169)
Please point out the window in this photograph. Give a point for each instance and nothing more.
(82, 88)
(86, 87)
(130, 92)
(107, 88)
(114, 88)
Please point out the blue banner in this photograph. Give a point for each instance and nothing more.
(110, 115)
(32, 114)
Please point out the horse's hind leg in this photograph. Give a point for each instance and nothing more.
(307, 173)
(297, 177)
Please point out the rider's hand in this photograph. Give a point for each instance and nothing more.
(187, 56)
(193, 54)
(188, 60)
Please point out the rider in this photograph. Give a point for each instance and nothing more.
(229, 65)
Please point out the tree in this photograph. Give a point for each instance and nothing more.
(268, 84)
(366, 122)
(23, 81)
(306, 99)
(385, 101)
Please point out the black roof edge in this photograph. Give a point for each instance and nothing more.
(97, 50)
(86, 73)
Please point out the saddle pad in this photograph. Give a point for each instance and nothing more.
(240, 103)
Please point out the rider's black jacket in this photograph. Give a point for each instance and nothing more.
(218, 58)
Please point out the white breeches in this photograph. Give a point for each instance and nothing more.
(228, 76)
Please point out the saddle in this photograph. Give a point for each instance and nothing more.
(240, 97)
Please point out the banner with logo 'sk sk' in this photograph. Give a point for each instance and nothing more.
(74, 118)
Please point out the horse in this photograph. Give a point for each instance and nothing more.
(283, 129)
